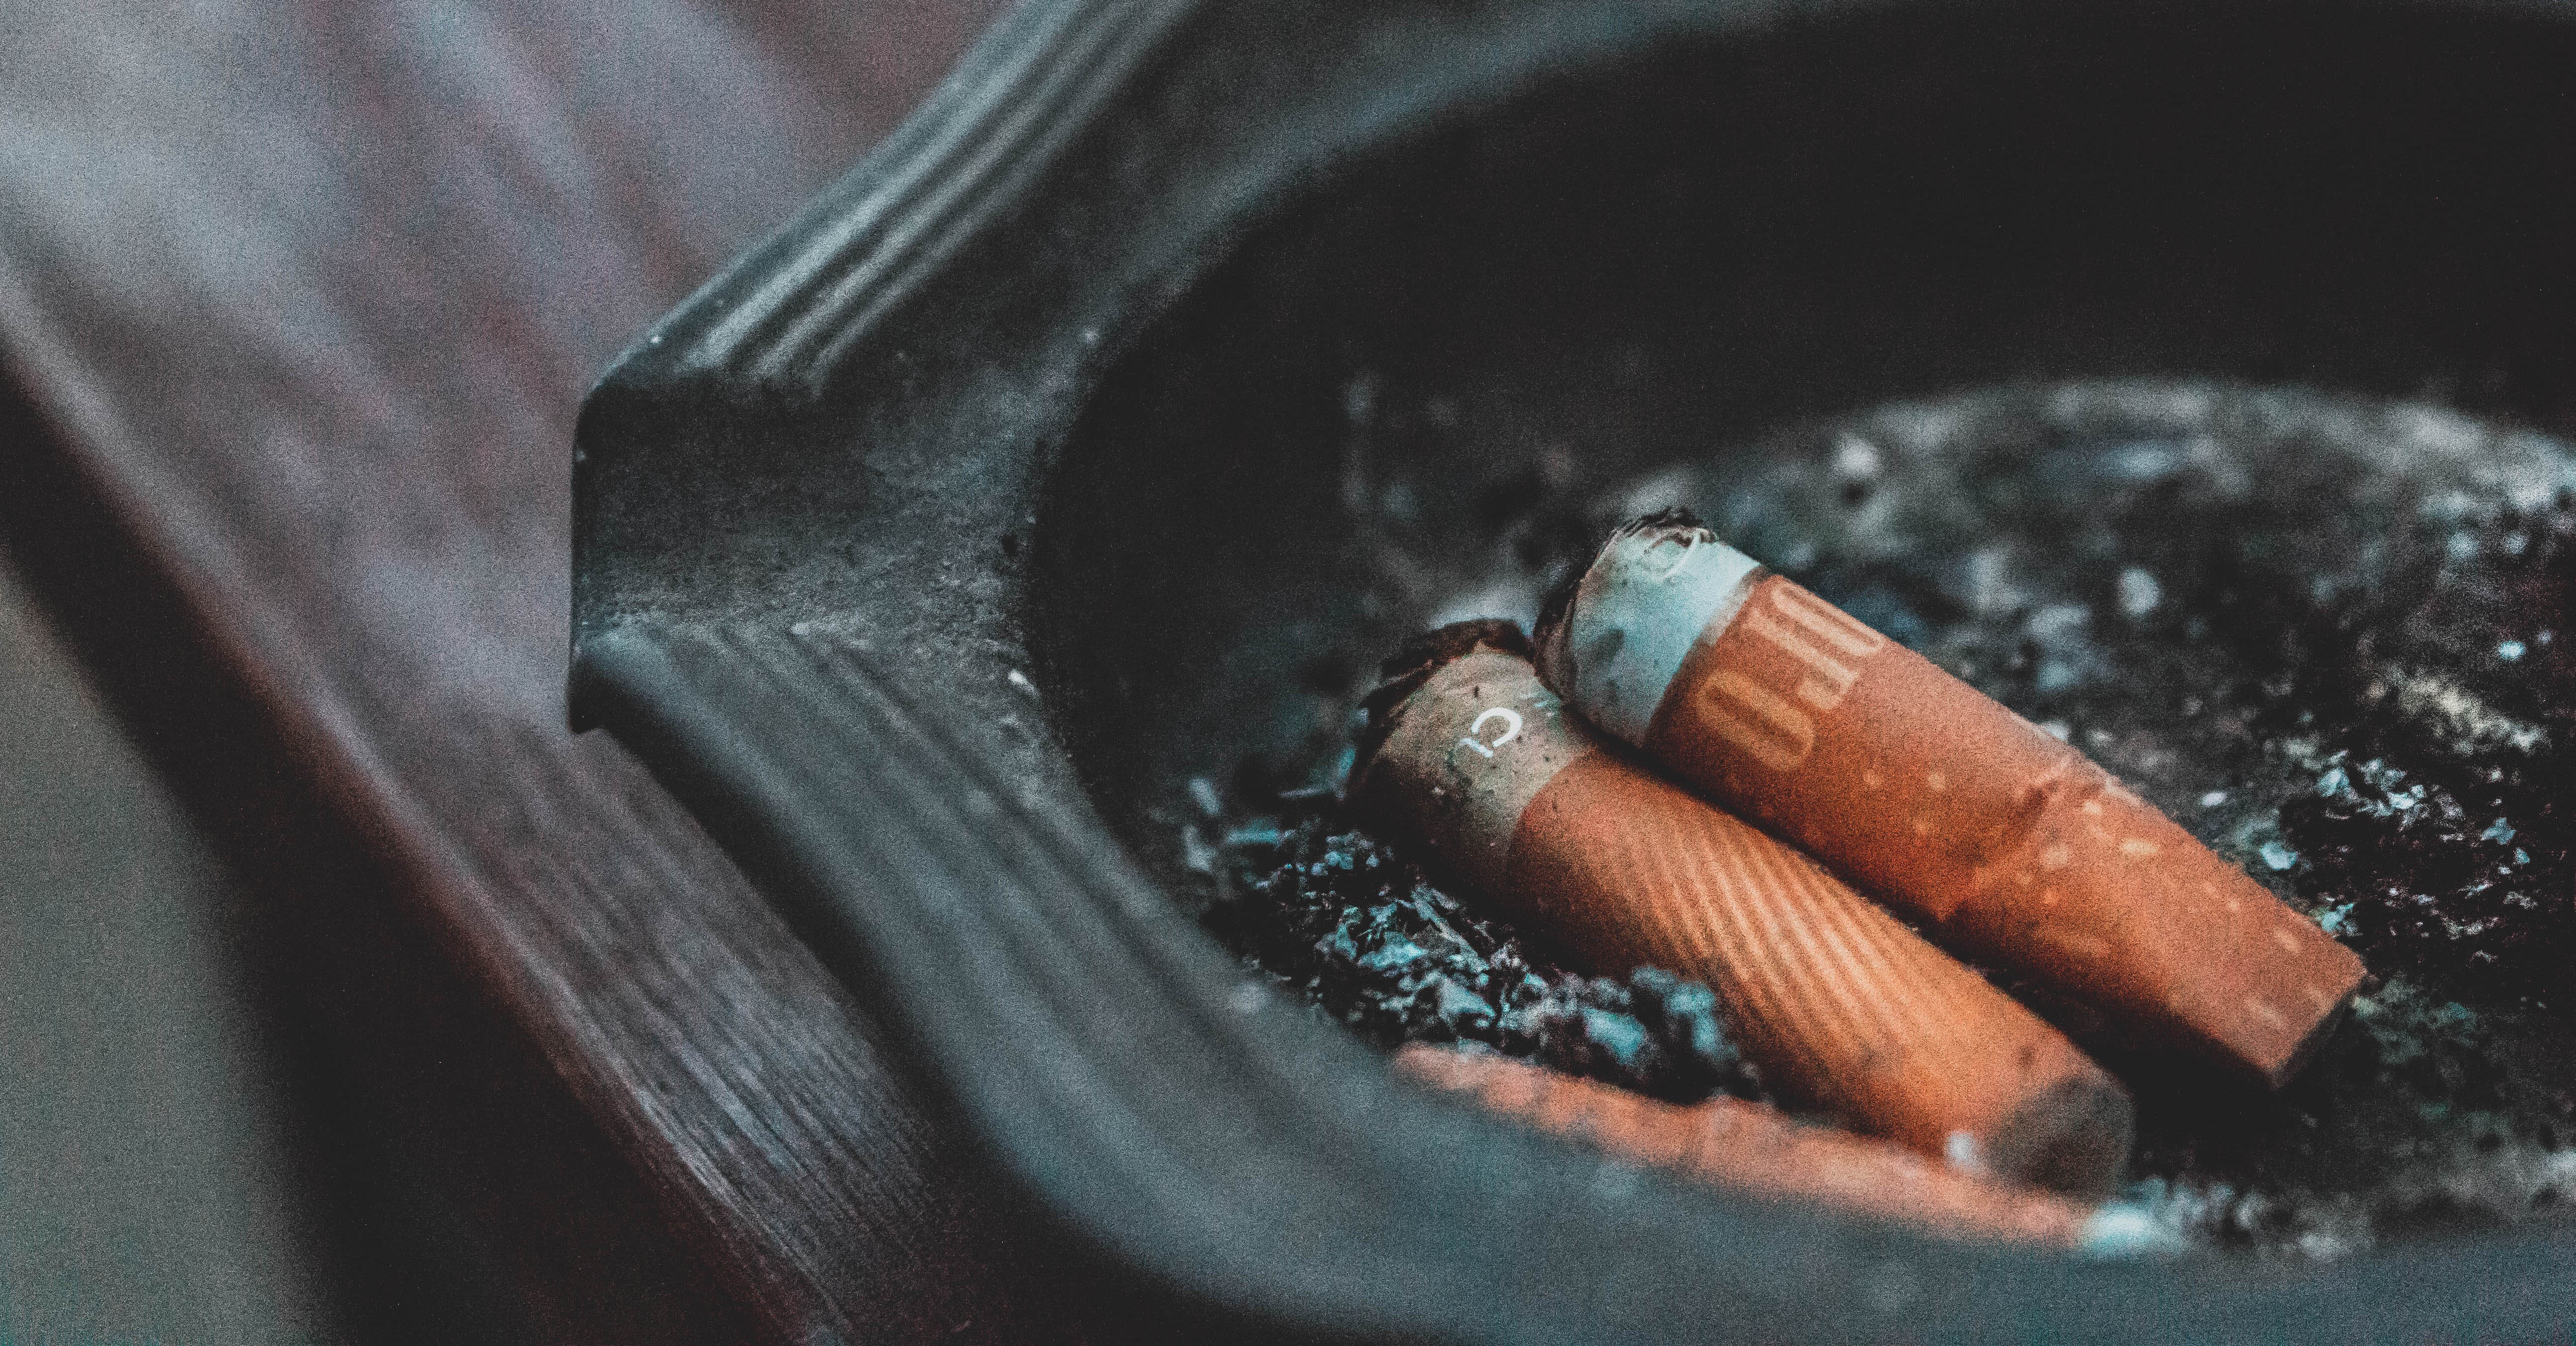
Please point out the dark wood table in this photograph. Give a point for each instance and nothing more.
(297, 305)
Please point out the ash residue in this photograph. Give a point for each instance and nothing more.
(2328, 636)
(2324, 638)
(1359, 930)
(2437, 829)
(2422, 1115)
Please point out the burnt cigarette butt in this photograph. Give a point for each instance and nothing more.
(1752, 1149)
(2012, 845)
(1840, 1005)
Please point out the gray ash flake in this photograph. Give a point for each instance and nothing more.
(1369, 940)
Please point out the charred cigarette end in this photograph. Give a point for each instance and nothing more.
(1549, 635)
(2298, 1057)
(1441, 644)
(1421, 657)
(2077, 1133)
(1839, 1003)
(1384, 708)
(1615, 671)
(1752, 1150)
(2010, 843)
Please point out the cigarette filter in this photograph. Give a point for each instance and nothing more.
(2010, 844)
(1839, 1004)
(1751, 1149)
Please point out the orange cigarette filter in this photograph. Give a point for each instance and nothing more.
(1839, 1004)
(2009, 844)
(1751, 1149)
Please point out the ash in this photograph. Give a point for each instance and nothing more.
(2328, 636)
(1338, 915)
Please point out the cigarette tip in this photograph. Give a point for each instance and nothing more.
(1559, 599)
(1553, 632)
(1412, 665)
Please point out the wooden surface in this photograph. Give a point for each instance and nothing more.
(297, 305)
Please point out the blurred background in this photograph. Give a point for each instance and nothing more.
(297, 307)
(149, 1177)
(179, 1161)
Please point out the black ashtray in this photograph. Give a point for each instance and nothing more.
(1178, 360)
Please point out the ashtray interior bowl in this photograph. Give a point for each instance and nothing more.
(1909, 305)
(1661, 264)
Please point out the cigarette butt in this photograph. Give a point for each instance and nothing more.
(1840, 1005)
(2010, 844)
(1752, 1149)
